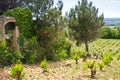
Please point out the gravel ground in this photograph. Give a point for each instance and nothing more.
(65, 70)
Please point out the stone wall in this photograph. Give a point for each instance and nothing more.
(3, 21)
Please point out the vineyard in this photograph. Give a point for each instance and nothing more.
(69, 70)
(104, 45)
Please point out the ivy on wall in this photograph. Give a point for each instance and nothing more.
(23, 18)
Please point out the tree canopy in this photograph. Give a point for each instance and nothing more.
(85, 22)
(39, 7)
(9, 4)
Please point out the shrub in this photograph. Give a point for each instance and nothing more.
(101, 65)
(118, 57)
(32, 59)
(17, 72)
(61, 50)
(52, 43)
(107, 59)
(106, 33)
(117, 34)
(84, 54)
(28, 57)
(44, 65)
(28, 49)
(76, 58)
(92, 67)
(8, 57)
(110, 33)
(74, 51)
(60, 55)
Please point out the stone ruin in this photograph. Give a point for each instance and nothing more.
(9, 32)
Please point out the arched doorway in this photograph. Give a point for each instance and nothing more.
(9, 32)
(9, 29)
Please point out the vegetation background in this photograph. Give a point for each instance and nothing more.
(46, 35)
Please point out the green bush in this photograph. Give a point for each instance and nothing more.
(61, 51)
(118, 57)
(117, 34)
(101, 65)
(107, 59)
(28, 49)
(52, 44)
(44, 65)
(60, 55)
(84, 55)
(110, 33)
(106, 33)
(92, 66)
(28, 57)
(17, 72)
(76, 58)
(74, 51)
(32, 59)
(8, 57)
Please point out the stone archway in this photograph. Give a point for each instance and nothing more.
(4, 29)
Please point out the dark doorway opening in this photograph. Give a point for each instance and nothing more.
(9, 35)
